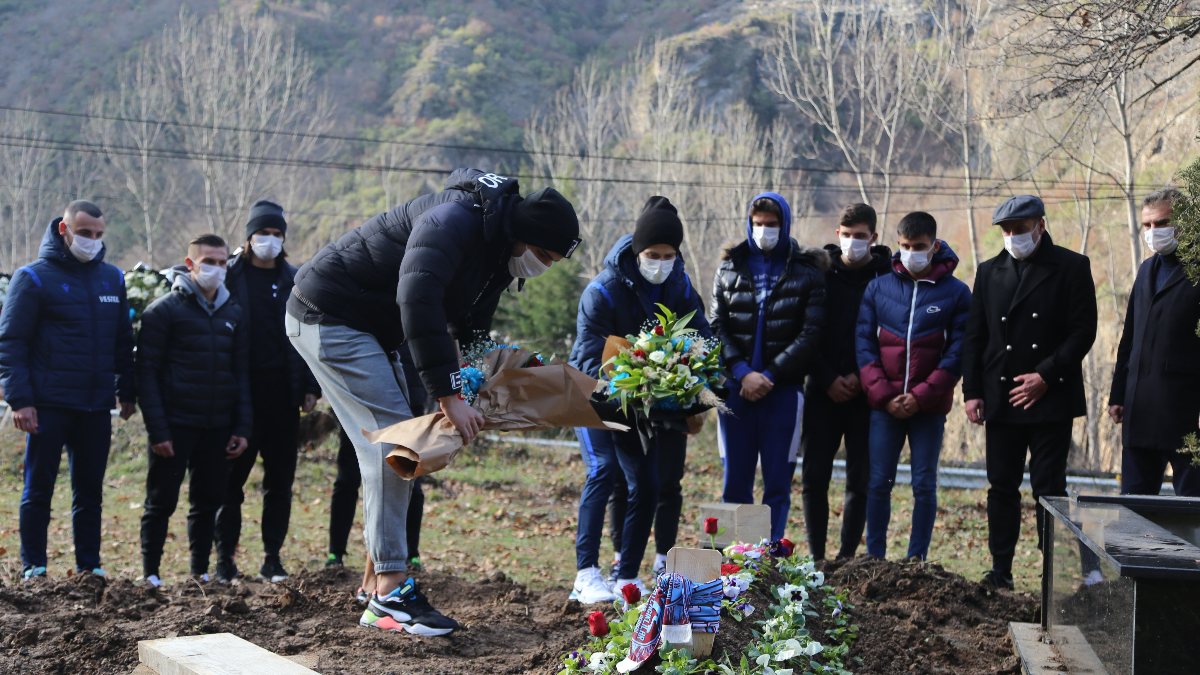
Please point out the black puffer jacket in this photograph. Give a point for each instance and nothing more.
(405, 275)
(795, 311)
(193, 363)
(300, 379)
(844, 288)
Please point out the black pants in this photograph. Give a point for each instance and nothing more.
(275, 437)
(345, 501)
(1047, 444)
(826, 425)
(1142, 472)
(202, 453)
(671, 461)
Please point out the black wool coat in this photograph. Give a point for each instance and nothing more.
(1158, 361)
(1045, 322)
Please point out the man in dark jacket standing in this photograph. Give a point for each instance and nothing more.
(66, 353)
(1154, 393)
(768, 306)
(642, 270)
(835, 407)
(425, 274)
(260, 280)
(1032, 321)
(193, 371)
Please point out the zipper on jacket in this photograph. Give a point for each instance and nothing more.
(91, 301)
(912, 311)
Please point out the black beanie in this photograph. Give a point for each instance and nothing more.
(545, 218)
(265, 214)
(658, 224)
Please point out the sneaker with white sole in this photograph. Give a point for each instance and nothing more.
(406, 610)
(34, 572)
(622, 583)
(591, 587)
(272, 570)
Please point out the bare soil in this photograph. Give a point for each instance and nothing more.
(912, 618)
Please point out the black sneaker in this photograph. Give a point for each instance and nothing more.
(997, 580)
(227, 572)
(333, 560)
(272, 570)
(612, 572)
(406, 609)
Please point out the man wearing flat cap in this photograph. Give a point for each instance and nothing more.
(426, 274)
(1032, 321)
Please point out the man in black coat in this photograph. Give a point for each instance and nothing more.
(260, 279)
(1033, 320)
(835, 407)
(1154, 393)
(426, 274)
(193, 375)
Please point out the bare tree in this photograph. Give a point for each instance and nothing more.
(132, 125)
(852, 70)
(24, 176)
(575, 137)
(245, 91)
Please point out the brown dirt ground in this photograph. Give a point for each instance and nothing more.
(912, 618)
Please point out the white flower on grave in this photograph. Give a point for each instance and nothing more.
(763, 659)
(812, 648)
(818, 580)
(658, 356)
(599, 661)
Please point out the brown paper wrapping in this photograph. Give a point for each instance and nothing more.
(613, 345)
(512, 399)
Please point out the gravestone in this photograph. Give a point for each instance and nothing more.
(745, 523)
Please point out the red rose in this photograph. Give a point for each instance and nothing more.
(631, 593)
(788, 546)
(710, 526)
(683, 360)
(730, 568)
(658, 330)
(597, 624)
(639, 354)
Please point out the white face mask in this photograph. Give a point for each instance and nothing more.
(84, 249)
(854, 250)
(1021, 246)
(765, 237)
(655, 271)
(915, 261)
(1161, 240)
(527, 265)
(209, 277)
(266, 246)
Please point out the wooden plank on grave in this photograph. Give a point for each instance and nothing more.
(699, 565)
(752, 523)
(215, 654)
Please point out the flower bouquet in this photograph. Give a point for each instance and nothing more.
(667, 371)
(513, 389)
(142, 287)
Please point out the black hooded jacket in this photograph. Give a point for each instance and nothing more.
(300, 380)
(794, 311)
(406, 275)
(193, 363)
(844, 288)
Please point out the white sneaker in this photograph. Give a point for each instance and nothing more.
(591, 587)
(153, 581)
(622, 583)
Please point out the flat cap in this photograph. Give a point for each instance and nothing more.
(1020, 207)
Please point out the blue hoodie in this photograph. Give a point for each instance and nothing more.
(65, 335)
(619, 300)
(766, 268)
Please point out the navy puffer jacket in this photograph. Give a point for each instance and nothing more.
(193, 363)
(619, 300)
(405, 276)
(910, 334)
(65, 334)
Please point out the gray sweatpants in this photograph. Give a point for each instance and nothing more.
(367, 391)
